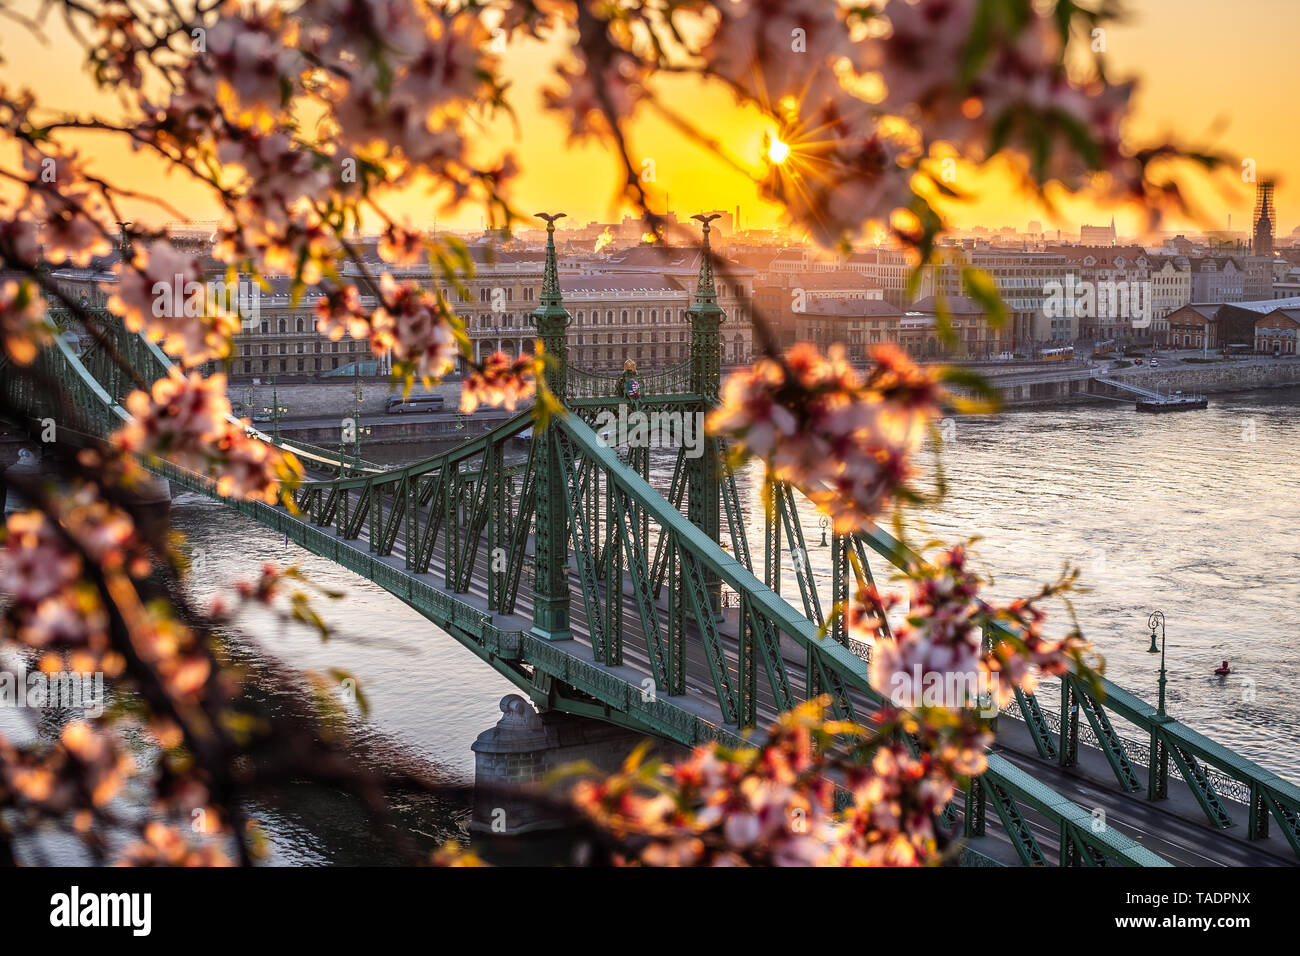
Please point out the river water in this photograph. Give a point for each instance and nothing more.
(1196, 514)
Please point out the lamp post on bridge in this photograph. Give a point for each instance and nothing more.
(358, 430)
(275, 410)
(362, 430)
(1158, 618)
(1158, 771)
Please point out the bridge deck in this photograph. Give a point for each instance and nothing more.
(1175, 828)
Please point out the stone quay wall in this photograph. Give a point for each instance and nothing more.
(319, 399)
(1216, 377)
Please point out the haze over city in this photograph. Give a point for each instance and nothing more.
(1211, 75)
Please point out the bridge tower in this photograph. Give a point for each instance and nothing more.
(551, 562)
(704, 474)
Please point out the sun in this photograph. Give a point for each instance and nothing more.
(777, 151)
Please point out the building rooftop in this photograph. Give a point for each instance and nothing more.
(657, 257)
(621, 282)
(834, 279)
(1266, 305)
(850, 308)
(1206, 309)
(955, 304)
(1118, 256)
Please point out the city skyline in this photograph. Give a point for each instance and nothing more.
(1229, 107)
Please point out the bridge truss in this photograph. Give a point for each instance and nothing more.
(550, 555)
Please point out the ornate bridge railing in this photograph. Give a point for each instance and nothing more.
(1210, 770)
(585, 384)
(59, 384)
(1139, 752)
(152, 363)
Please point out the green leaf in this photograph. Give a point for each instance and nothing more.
(979, 285)
(987, 399)
(943, 323)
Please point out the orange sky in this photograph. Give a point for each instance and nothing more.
(1213, 74)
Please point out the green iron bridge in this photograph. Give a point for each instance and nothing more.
(597, 595)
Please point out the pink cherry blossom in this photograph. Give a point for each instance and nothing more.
(163, 294)
(34, 562)
(187, 421)
(500, 381)
(844, 441)
(247, 57)
(23, 328)
(411, 324)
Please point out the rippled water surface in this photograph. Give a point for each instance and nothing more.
(1196, 514)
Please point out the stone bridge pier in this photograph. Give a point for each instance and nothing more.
(522, 748)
